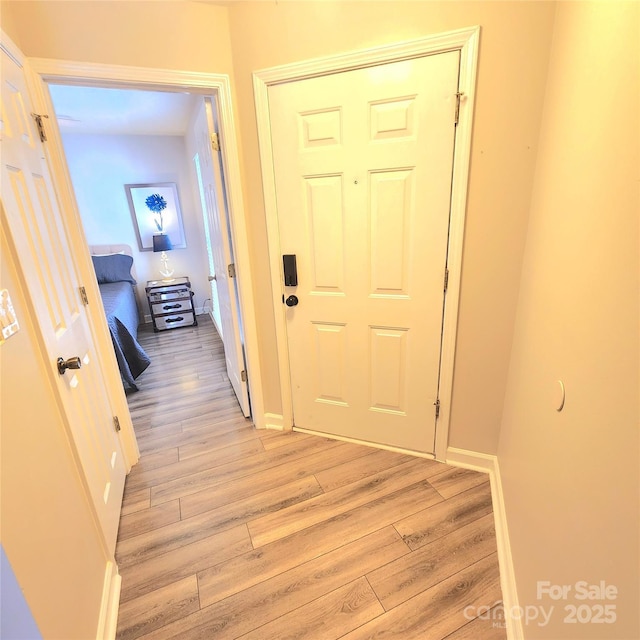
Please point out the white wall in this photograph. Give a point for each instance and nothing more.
(570, 478)
(101, 165)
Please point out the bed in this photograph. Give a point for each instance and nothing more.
(115, 273)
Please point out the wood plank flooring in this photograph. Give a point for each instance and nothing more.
(229, 532)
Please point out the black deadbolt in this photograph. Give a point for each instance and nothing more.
(291, 301)
(290, 270)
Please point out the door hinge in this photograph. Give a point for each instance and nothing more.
(243, 375)
(232, 270)
(116, 423)
(459, 95)
(215, 142)
(446, 280)
(437, 406)
(83, 296)
(39, 124)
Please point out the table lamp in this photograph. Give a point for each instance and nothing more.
(162, 243)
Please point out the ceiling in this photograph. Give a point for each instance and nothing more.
(121, 111)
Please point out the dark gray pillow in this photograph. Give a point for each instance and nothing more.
(113, 268)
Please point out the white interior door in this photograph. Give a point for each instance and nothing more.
(43, 252)
(219, 236)
(363, 165)
(204, 173)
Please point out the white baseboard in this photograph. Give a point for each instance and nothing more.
(108, 620)
(489, 464)
(272, 421)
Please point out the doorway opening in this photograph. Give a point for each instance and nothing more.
(114, 137)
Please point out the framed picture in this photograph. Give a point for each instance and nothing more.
(155, 208)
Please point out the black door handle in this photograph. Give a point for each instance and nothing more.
(291, 301)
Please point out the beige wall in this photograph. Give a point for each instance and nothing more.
(512, 68)
(48, 530)
(190, 36)
(513, 61)
(570, 479)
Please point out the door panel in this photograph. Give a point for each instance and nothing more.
(221, 253)
(43, 251)
(363, 167)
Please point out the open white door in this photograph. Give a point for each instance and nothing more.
(217, 222)
(43, 254)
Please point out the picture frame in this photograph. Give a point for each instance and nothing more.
(146, 221)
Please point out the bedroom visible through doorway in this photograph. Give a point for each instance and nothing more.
(117, 136)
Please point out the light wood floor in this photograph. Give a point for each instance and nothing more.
(229, 532)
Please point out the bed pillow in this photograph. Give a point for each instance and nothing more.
(113, 268)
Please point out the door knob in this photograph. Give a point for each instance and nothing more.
(71, 363)
(291, 301)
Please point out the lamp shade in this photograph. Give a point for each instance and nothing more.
(161, 242)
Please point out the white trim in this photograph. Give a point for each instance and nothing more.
(467, 42)
(273, 240)
(461, 163)
(11, 49)
(272, 421)
(489, 464)
(62, 71)
(108, 616)
(366, 443)
(429, 45)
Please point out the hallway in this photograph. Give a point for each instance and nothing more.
(230, 532)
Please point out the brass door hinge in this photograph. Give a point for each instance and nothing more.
(83, 296)
(40, 125)
(459, 95)
(215, 142)
(232, 270)
(116, 423)
(243, 375)
(446, 280)
(437, 406)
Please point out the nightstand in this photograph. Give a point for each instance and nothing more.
(171, 304)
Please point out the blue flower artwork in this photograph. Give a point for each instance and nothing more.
(157, 204)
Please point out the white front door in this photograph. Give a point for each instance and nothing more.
(219, 237)
(43, 253)
(363, 165)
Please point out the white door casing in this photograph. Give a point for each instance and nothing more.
(363, 162)
(465, 41)
(217, 221)
(44, 70)
(43, 251)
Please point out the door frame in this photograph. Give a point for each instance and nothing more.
(40, 72)
(466, 41)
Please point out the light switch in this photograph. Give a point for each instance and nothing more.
(8, 320)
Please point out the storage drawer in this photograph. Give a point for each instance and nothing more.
(171, 306)
(174, 320)
(170, 294)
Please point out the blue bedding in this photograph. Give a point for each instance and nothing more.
(120, 306)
